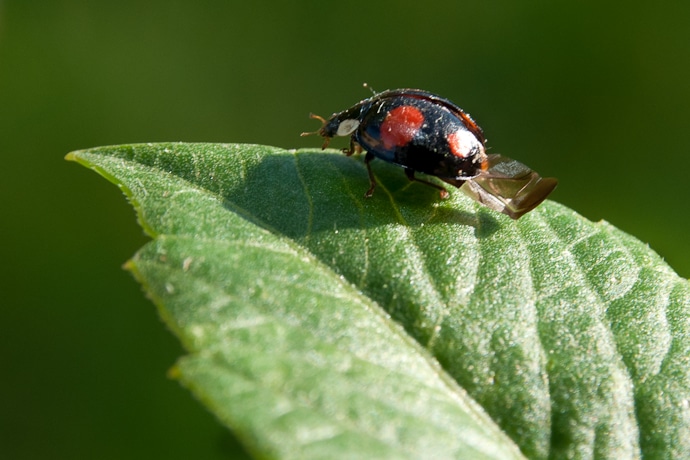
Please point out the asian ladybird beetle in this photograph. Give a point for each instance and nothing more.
(425, 133)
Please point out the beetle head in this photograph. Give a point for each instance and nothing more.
(340, 124)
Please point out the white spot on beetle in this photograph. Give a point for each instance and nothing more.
(347, 127)
(463, 143)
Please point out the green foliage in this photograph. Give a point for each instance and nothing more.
(320, 324)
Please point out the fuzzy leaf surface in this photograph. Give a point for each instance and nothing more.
(320, 324)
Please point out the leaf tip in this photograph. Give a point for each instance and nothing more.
(129, 266)
(77, 157)
(174, 373)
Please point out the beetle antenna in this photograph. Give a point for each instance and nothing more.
(366, 85)
(315, 117)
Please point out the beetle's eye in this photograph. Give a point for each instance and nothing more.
(347, 127)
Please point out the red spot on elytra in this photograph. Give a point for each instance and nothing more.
(400, 126)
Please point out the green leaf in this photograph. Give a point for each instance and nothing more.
(320, 324)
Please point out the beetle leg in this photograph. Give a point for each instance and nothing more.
(372, 180)
(410, 175)
(354, 148)
(350, 150)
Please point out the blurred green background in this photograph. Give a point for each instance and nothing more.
(594, 93)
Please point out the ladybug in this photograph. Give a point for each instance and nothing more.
(428, 134)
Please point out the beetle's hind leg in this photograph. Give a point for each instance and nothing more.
(410, 175)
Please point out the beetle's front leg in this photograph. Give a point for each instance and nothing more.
(354, 148)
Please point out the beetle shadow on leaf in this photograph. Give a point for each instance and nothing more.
(312, 191)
